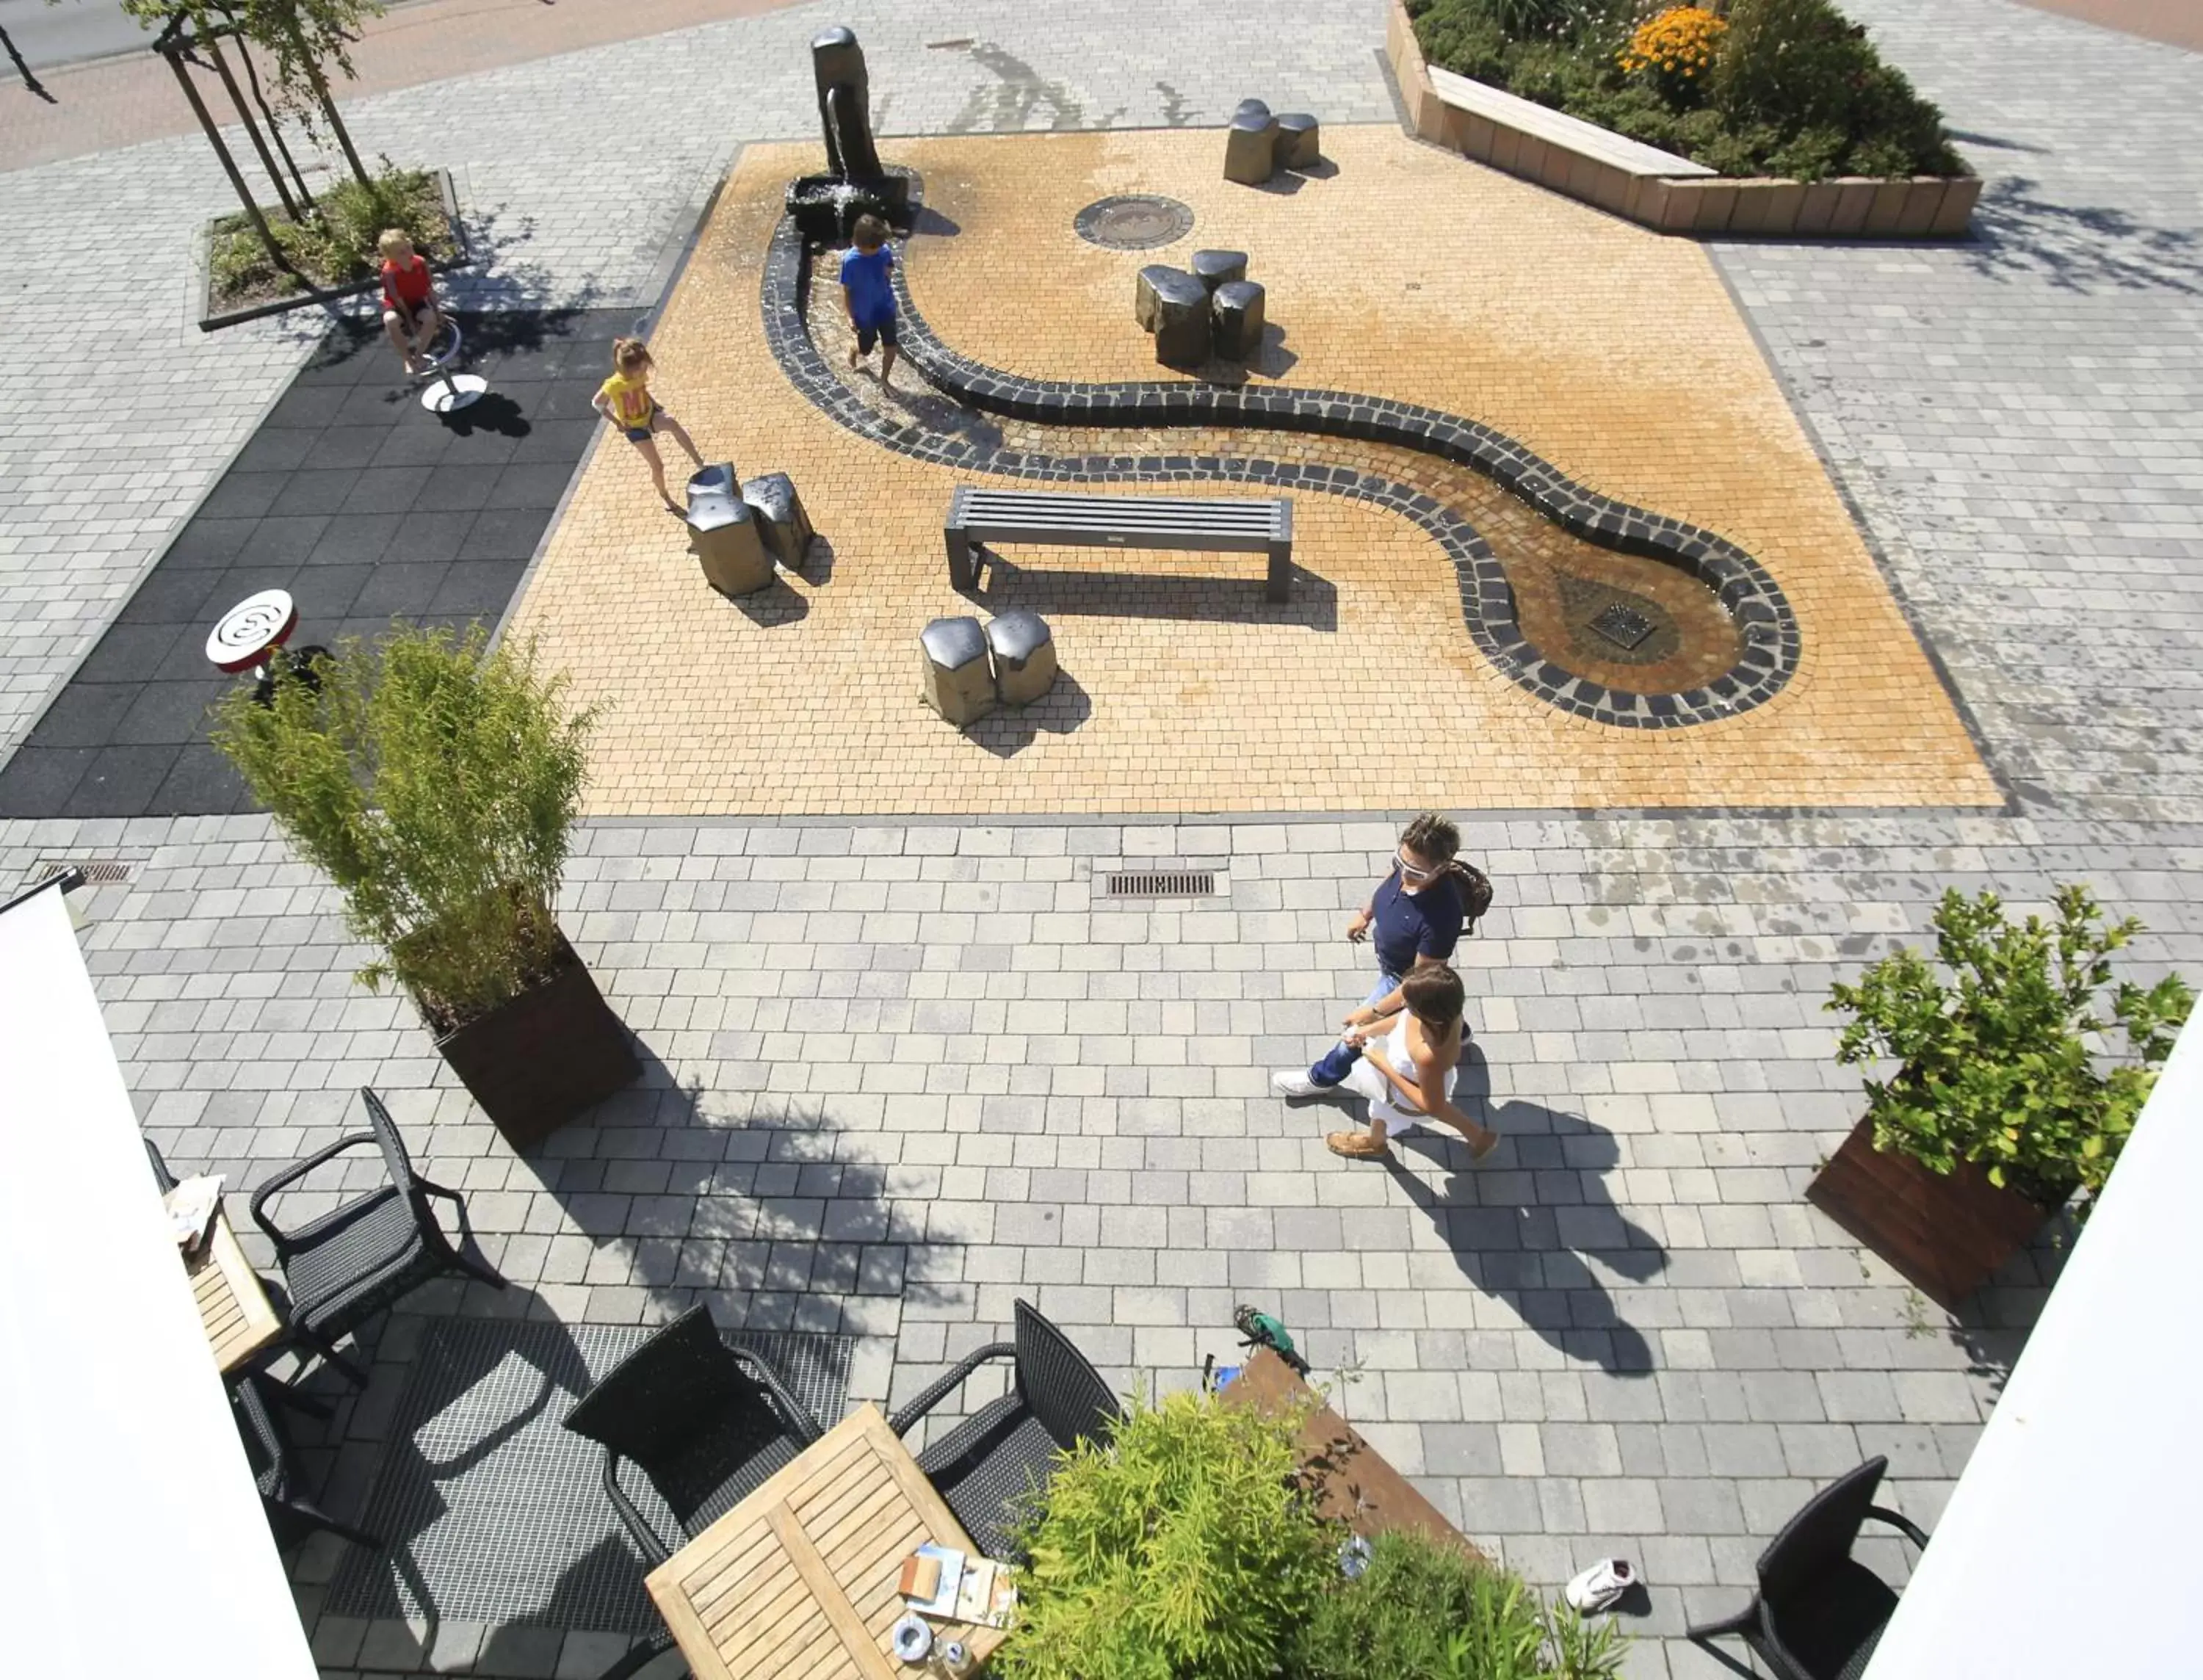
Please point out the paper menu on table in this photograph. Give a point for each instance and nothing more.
(190, 1208)
(986, 1595)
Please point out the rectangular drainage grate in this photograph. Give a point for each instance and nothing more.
(1159, 884)
(97, 871)
(1623, 625)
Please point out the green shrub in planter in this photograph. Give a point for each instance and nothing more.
(1464, 39)
(335, 245)
(437, 786)
(1180, 1550)
(1795, 66)
(1795, 88)
(1424, 1611)
(2009, 1064)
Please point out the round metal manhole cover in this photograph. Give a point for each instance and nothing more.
(1139, 221)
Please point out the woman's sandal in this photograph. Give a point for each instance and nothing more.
(1355, 1146)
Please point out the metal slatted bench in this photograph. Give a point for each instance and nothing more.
(977, 517)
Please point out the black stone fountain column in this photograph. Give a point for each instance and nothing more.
(845, 104)
(827, 206)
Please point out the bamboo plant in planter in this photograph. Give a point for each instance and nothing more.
(2008, 1095)
(1188, 1547)
(437, 785)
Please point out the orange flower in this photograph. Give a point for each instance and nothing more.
(1680, 39)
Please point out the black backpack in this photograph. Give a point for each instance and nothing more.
(1475, 893)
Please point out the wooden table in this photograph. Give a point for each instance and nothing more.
(798, 1582)
(1351, 1482)
(232, 1307)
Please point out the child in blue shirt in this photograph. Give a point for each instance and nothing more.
(869, 293)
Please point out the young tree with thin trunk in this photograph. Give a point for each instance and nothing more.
(302, 40)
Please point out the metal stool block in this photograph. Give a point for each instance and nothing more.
(1025, 656)
(1213, 268)
(1238, 309)
(1158, 289)
(1300, 141)
(780, 518)
(1173, 305)
(713, 480)
(954, 678)
(726, 540)
(1251, 148)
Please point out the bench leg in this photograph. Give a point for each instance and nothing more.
(1281, 572)
(959, 558)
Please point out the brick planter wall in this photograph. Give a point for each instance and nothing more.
(1925, 207)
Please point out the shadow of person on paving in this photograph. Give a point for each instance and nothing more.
(1534, 1222)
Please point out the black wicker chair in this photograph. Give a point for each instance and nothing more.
(291, 1514)
(162, 1176)
(1818, 1614)
(351, 1263)
(704, 1423)
(989, 1466)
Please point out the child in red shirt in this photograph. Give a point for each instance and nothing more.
(409, 298)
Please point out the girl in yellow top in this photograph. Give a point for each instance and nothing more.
(625, 400)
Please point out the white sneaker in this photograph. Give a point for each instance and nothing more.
(1294, 1085)
(1602, 1586)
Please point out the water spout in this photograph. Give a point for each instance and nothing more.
(827, 206)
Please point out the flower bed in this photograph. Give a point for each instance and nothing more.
(1632, 176)
(332, 250)
(1749, 88)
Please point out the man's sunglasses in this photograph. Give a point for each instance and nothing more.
(1409, 871)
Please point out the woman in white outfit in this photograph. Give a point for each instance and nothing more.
(1410, 1062)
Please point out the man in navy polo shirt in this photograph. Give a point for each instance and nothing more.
(1413, 918)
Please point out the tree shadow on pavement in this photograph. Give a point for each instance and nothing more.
(2020, 231)
(1526, 1222)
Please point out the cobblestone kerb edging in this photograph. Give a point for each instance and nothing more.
(1766, 628)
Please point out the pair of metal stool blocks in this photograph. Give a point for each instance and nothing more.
(738, 530)
(1258, 145)
(965, 670)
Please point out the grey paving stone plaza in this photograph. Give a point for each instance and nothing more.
(902, 1074)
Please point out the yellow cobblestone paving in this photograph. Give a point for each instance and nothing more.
(1406, 272)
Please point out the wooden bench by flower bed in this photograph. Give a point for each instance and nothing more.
(1657, 189)
(1351, 1482)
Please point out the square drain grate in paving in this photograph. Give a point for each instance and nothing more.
(1158, 884)
(490, 1511)
(1623, 625)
